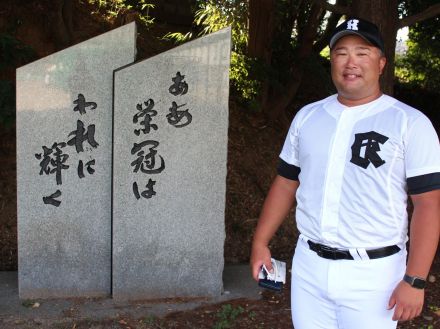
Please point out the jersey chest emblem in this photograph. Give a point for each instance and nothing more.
(365, 149)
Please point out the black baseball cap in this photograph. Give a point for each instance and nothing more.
(360, 27)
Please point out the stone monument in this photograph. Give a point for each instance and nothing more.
(169, 171)
(64, 145)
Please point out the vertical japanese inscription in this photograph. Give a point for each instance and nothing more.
(146, 158)
(146, 150)
(178, 118)
(54, 159)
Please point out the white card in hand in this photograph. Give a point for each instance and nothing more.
(278, 274)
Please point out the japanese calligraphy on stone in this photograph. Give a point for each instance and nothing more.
(146, 157)
(55, 159)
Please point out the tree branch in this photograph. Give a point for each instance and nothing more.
(331, 24)
(430, 12)
(337, 9)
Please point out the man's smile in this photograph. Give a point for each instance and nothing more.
(351, 76)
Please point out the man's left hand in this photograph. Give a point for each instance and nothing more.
(408, 302)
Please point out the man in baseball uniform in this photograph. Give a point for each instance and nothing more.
(351, 160)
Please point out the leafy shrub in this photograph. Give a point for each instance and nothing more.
(216, 15)
(227, 316)
(420, 66)
(111, 8)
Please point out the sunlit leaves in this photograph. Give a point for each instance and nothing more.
(111, 8)
(213, 16)
(421, 64)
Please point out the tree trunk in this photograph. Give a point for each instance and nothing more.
(261, 18)
(67, 12)
(276, 108)
(62, 23)
(332, 22)
(384, 14)
(261, 30)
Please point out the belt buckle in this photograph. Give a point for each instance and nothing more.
(331, 253)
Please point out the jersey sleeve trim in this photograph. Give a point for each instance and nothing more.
(423, 183)
(288, 171)
(422, 171)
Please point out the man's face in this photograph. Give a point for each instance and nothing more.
(356, 67)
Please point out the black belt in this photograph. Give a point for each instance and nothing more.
(334, 253)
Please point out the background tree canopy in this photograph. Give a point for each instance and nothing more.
(420, 66)
(278, 45)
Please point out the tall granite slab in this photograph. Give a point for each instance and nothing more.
(64, 144)
(169, 178)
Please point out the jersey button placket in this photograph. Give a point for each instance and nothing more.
(334, 176)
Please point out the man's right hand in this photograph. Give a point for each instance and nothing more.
(277, 205)
(260, 255)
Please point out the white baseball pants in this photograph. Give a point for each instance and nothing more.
(343, 294)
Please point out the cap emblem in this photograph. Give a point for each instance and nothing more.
(352, 24)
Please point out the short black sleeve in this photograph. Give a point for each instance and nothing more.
(423, 183)
(288, 171)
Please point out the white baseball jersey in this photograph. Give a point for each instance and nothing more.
(356, 165)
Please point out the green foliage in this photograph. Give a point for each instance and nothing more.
(150, 322)
(111, 8)
(433, 308)
(215, 15)
(252, 315)
(325, 53)
(426, 33)
(13, 53)
(28, 303)
(240, 75)
(227, 316)
(420, 66)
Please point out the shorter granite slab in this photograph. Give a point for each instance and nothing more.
(169, 176)
(64, 134)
